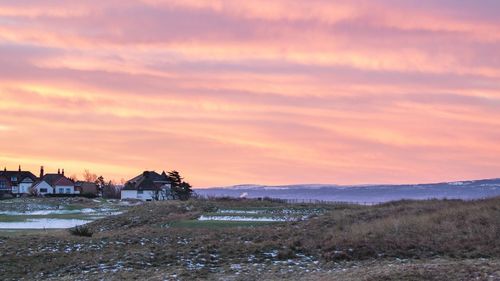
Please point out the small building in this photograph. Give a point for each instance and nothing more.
(148, 186)
(55, 184)
(16, 182)
(84, 187)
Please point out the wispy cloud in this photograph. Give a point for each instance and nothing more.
(253, 91)
(4, 128)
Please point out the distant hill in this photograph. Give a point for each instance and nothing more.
(473, 189)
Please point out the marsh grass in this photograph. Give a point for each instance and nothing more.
(158, 236)
(413, 229)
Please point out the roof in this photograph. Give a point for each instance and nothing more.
(64, 181)
(56, 179)
(20, 176)
(148, 180)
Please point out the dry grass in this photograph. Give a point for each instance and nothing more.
(146, 240)
(423, 229)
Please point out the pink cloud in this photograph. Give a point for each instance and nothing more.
(236, 91)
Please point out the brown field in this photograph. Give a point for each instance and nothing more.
(405, 240)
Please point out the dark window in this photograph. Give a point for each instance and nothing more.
(3, 185)
(43, 190)
(140, 191)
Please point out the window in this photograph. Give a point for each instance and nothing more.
(3, 185)
(14, 178)
(43, 190)
(60, 190)
(140, 191)
(68, 190)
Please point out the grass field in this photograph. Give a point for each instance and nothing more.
(405, 240)
(27, 232)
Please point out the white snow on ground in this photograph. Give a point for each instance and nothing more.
(269, 215)
(270, 211)
(48, 212)
(43, 223)
(128, 203)
(226, 211)
(241, 218)
(36, 221)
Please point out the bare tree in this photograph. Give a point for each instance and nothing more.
(89, 177)
(34, 192)
(109, 189)
(74, 177)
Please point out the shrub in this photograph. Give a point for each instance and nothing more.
(285, 254)
(88, 195)
(81, 230)
(59, 195)
(6, 196)
(34, 192)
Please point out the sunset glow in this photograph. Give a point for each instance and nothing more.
(267, 92)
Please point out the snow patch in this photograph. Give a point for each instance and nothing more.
(48, 212)
(43, 224)
(228, 211)
(242, 218)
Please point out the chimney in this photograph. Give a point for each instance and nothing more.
(41, 172)
(58, 171)
(19, 168)
(5, 169)
(63, 172)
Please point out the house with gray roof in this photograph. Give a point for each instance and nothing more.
(16, 182)
(148, 186)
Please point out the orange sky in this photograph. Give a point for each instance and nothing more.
(268, 92)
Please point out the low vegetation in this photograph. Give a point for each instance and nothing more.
(81, 230)
(407, 229)
(405, 240)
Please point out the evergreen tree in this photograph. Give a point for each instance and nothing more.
(185, 191)
(181, 190)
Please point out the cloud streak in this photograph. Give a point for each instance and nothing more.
(234, 92)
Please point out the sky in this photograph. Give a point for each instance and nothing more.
(265, 92)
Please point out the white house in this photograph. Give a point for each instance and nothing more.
(55, 184)
(65, 186)
(146, 195)
(148, 186)
(43, 188)
(16, 182)
(25, 185)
